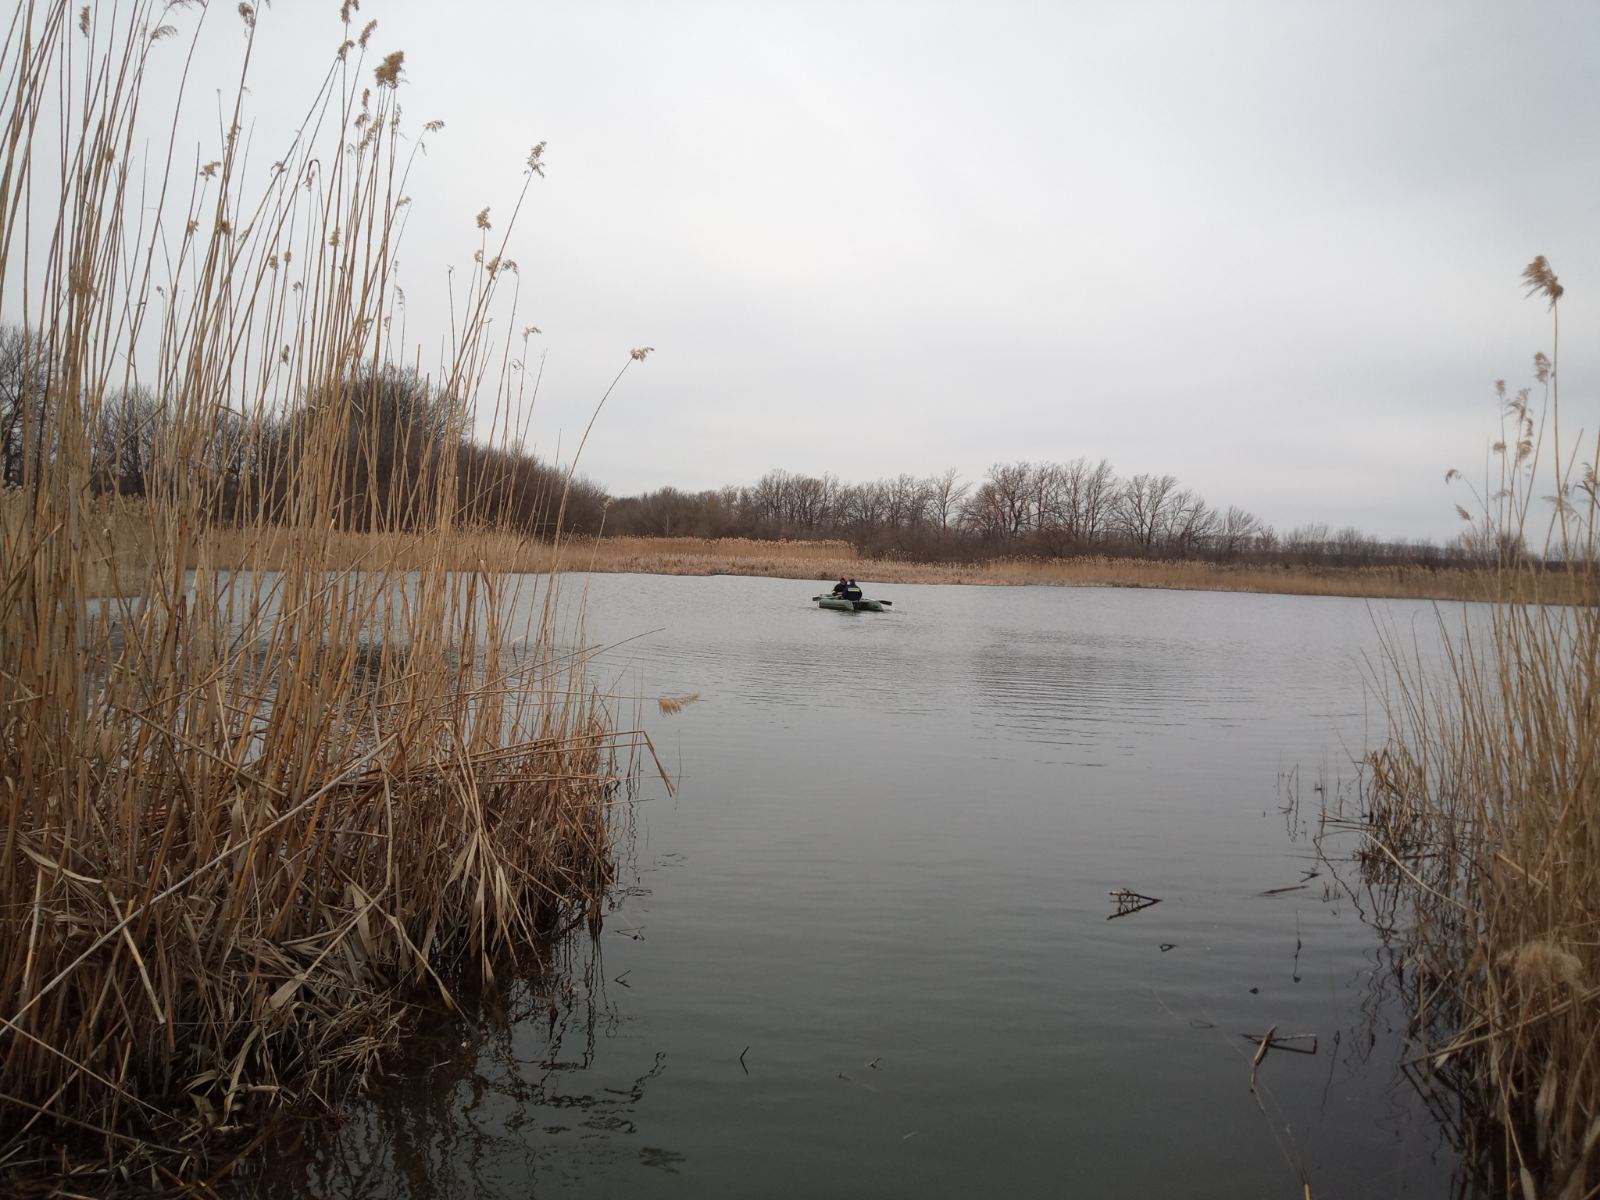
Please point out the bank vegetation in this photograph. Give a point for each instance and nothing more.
(262, 799)
(1081, 509)
(1482, 819)
(119, 556)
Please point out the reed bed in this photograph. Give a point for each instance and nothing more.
(822, 551)
(120, 562)
(778, 560)
(267, 792)
(1483, 817)
(774, 559)
(522, 554)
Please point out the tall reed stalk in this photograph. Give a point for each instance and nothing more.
(1484, 807)
(254, 809)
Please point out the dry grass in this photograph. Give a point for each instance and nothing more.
(121, 562)
(719, 549)
(524, 555)
(286, 787)
(778, 560)
(1483, 813)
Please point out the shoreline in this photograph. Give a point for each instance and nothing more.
(771, 561)
(119, 562)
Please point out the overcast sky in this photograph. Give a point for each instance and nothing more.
(1270, 248)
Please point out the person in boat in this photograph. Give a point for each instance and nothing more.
(841, 587)
(852, 590)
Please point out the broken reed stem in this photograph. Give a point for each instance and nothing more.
(1261, 1053)
(1483, 824)
(1282, 1041)
(262, 776)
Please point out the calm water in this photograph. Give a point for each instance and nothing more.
(883, 881)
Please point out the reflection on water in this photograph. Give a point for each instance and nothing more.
(513, 1089)
(866, 948)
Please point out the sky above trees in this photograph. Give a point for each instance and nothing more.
(1269, 249)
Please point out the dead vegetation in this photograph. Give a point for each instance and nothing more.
(266, 790)
(800, 560)
(1483, 820)
(119, 562)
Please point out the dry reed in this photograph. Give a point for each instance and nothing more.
(262, 794)
(1483, 816)
(121, 558)
(785, 560)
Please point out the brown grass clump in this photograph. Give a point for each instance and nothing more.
(1484, 812)
(261, 794)
(676, 704)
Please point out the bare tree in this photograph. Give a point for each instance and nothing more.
(1046, 488)
(24, 377)
(863, 506)
(128, 443)
(1308, 541)
(1144, 512)
(806, 501)
(1007, 493)
(945, 498)
(1096, 501)
(1237, 529)
(768, 496)
(907, 504)
(1352, 546)
(1191, 524)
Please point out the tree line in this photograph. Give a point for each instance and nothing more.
(382, 448)
(1083, 506)
(392, 453)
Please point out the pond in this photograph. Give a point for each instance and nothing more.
(865, 949)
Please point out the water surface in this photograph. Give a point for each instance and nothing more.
(864, 949)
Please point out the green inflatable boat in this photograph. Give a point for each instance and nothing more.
(843, 605)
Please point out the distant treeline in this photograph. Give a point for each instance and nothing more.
(1045, 509)
(387, 445)
(384, 443)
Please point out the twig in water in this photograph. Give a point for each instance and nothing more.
(1130, 902)
(1261, 1052)
(742, 1053)
(1298, 946)
(1280, 1041)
